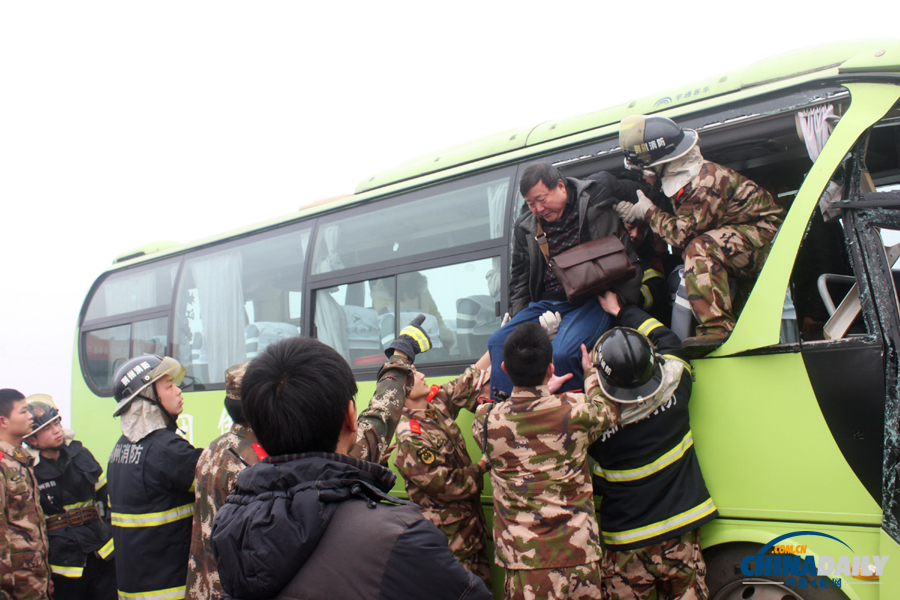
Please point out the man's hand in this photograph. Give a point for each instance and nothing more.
(485, 465)
(609, 302)
(550, 322)
(411, 341)
(557, 381)
(505, 320)
(586, 362)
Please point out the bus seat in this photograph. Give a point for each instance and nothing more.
(363, 332)
(262, 333)
(476, 320)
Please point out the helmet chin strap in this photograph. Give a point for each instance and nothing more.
(154, 400)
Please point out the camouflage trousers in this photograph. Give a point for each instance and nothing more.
(30, 577)
(674, 569)
(710, 259)
(478, 564)
(578, 582)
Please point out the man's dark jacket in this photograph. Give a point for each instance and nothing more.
(319, 525)
(596, 219)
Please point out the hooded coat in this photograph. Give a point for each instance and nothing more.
(322, 525)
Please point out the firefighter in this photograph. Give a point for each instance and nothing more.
(725, 222)
(73, 495)
(151, 476)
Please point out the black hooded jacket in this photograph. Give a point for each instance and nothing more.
(321, 525)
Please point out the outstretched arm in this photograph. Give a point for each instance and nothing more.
(377, 423)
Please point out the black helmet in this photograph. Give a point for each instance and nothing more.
(651, 141)
(136, 374)
(627, 364)
(43, 412)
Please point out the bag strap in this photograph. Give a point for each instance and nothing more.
(541, 239)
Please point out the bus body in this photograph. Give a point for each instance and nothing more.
(795, 418)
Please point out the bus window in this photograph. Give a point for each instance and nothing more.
(233, 302)
(460, 307)
(133, 290)
(346, 319)
(106, 349)
(430, 223)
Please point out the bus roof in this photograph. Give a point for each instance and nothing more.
(877, 55)
(853, 56)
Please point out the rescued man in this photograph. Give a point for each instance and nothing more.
(569, 212)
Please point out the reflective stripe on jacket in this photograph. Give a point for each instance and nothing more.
(152, 504)
(647, 471)
(69, 484)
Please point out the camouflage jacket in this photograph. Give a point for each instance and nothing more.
(433, 460)
(717, 197)
(24, 570)
(377, 423)
(544, 516)
(217, 472)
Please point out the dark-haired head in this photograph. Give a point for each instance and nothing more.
(295, 396)
(539, 172)
(527, 353)
(8, 397)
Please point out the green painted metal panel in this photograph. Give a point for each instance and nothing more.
(765, 448)
(807, 60)
(884, 58)
(145, 250)
(500, 143)
(760, 322)
(701, 90)
(778, 68)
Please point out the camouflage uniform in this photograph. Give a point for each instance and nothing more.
(215, 477)
(440, 477)
(25, 573)
(667, 570)
(377, 423)
(217, 472)
(567, 583)
(726, 224)
(544, 515)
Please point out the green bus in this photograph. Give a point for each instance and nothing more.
(795, 418)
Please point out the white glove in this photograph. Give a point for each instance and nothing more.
(623, 209)
(550, 322)
(638, 211)
(641, 208)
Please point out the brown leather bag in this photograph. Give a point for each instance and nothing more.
(588, 269)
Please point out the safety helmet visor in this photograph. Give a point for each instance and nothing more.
(631, 139)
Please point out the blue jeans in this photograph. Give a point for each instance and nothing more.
(581, 324)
